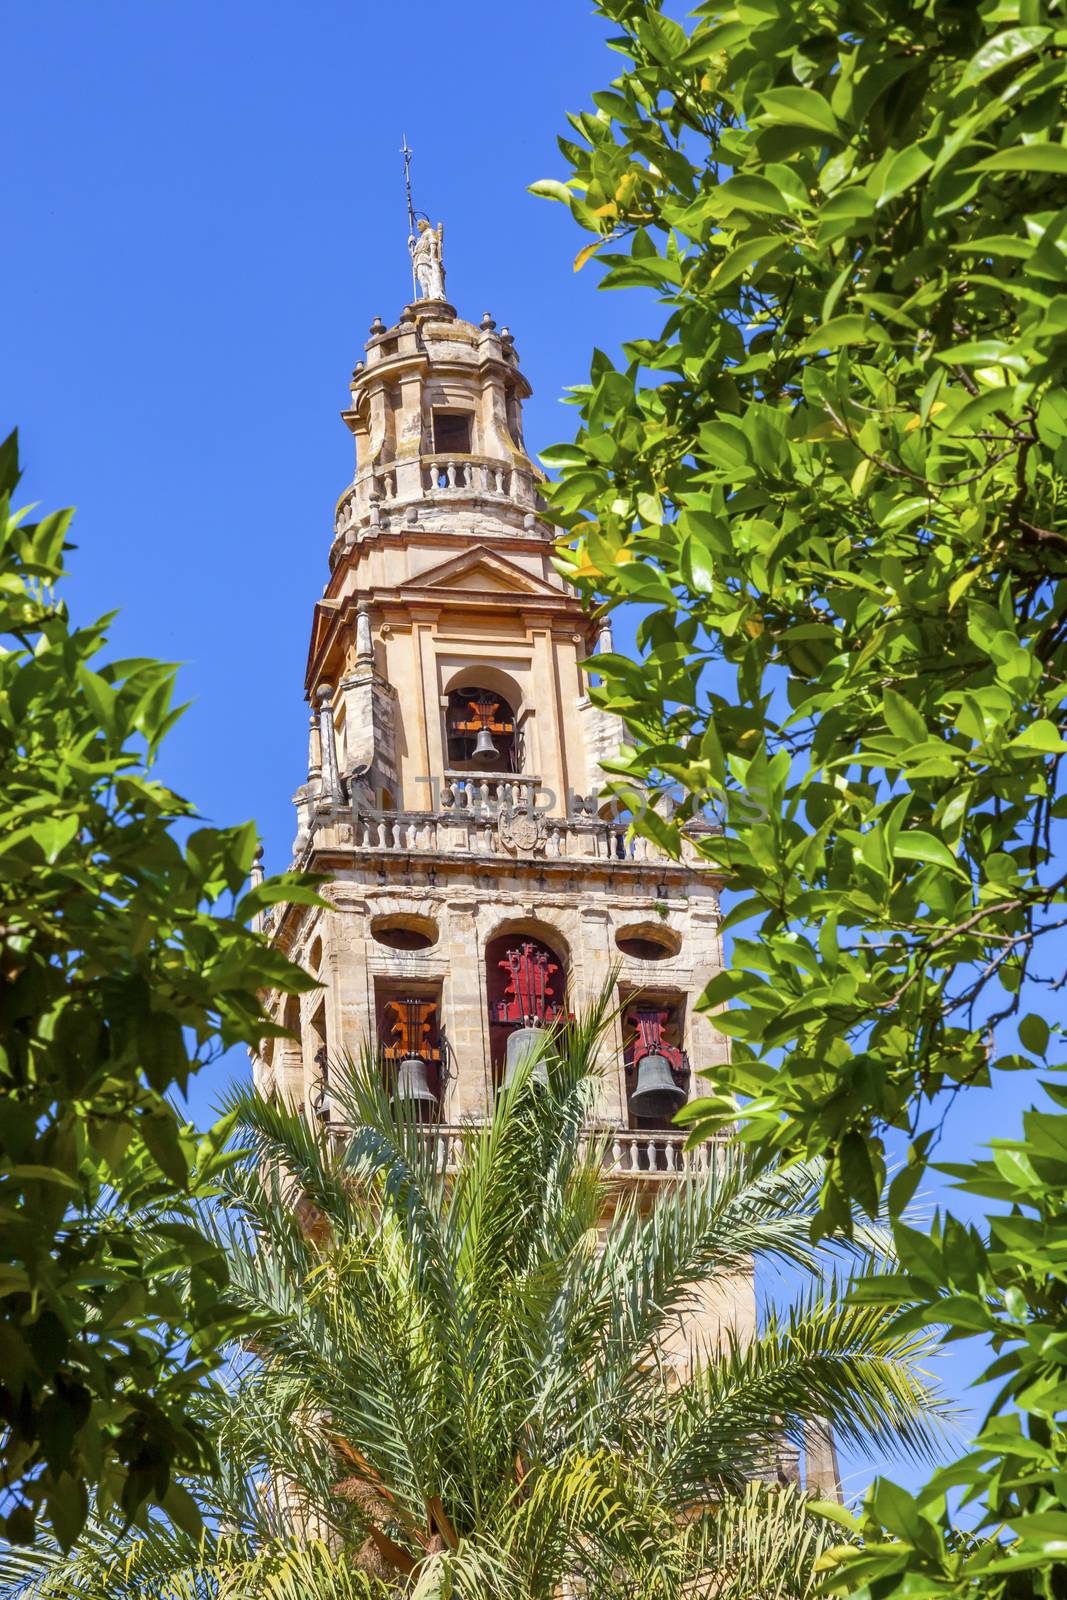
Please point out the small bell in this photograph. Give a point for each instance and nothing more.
(412, 1092)
(484, 746)
(655, 1093)
(522, 1044)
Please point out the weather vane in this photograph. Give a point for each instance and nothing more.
(407, 154)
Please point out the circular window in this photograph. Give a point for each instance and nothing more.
(648, 942)
(404, 932)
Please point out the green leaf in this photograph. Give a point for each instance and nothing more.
(917, 845)
(902, 718)
(745, 192)
(839, 331)
(1003, 50)
(1026, 158)
(1041, 735)
(799, 107)
(904, 171)
(551, 189)
(1034, 1033)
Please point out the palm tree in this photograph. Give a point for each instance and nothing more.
(459, 1384)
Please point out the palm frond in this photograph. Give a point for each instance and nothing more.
(818, 1359)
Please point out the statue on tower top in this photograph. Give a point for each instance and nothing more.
(426, 260)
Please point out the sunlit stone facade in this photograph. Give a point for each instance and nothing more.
(454, 793)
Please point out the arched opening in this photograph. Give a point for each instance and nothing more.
(317, 1069)
(526, 986)
(411, 1046)
(656, 1065)
(482, 730)
(648, 941)
(404, 931)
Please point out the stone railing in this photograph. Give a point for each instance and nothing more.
(626, 1153)
(491, 831)
(485, 794)
(386, 489)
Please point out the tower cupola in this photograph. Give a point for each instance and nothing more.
(436, 413)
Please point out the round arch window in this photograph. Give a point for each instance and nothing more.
(403, 932)
(648, 941)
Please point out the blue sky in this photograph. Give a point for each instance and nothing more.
(205, 210)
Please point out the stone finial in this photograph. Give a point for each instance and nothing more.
(604, 644)
(357, 369)
(487, 324)
(377, 327)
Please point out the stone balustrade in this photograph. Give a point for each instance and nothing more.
(625, 1153)
(485, 794)
(481, 828)
(391, 488)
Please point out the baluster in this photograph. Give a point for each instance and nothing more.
(616, 1155)
(671, 1153)
(450, 475)
(483, 797)
(498, 476)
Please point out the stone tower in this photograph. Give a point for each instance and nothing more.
(454, 793)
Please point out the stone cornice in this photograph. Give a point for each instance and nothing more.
(334, 618)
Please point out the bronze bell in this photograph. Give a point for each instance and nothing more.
(412, 1091)
(522, 1043)
(655, 1094)
(484, 746)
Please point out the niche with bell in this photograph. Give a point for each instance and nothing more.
(481, 731)
(526, 982)
(657, 1068)
(409, 1034)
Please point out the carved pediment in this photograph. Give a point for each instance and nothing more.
(483, 571)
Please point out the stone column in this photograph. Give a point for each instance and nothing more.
(465, 1015)
(595, 924)
(255, 878)
(331, 778)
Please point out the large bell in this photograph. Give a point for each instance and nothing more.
(655, 1094)
(412, 1092)
(525, 1042)
(484, 746)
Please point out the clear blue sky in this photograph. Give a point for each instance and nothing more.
(204, 211)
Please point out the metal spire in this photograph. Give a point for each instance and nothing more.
(407, 154)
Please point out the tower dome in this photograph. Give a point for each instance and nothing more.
(436, 413)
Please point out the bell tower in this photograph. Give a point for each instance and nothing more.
(481, 878)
